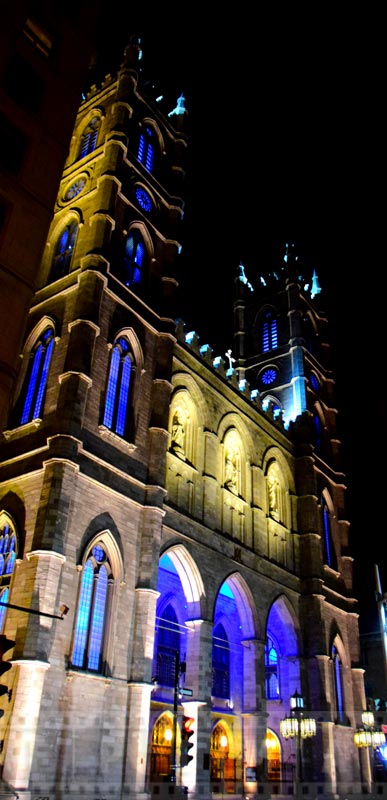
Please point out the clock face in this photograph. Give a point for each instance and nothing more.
(143, 199)
(75, 188)
(268, 376)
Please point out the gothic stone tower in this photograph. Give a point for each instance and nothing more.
(198, 540)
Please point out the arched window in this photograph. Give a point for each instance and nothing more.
(168, 647)
(64, 250)
(146, 148)
(271, 670)
(134, 258)
(220, 663)
(269, 332)
(36, 378)
(91, 618)
(8, 553)
(117, 404)
(318, 430)
(338, 684)
(329, 550)
(89, 138)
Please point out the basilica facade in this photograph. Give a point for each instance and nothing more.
(186, 510)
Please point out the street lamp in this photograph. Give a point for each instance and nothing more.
(297, 726)
(370, 737)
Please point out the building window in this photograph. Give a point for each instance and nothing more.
(168, 647)
(271, 670)
(269, 335)
(146, 150)
(91, 618)
(8, 553)
(329, 550)
(134, 258)
(117, 404)
(338, 684)
(36, 378)
(64, 250)
(220, 663)
(89, 138)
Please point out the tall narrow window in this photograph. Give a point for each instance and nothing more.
(220, 663)
(271, 670)
(36, 378)
(8, 552)
(91, 622)
(329, 550)
(117, 405)
(89, 138)
(269, 339)
(168, 647)
(64, 250)
(146, 150)
(338, 682)
(134, 258)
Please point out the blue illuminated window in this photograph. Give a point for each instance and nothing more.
(269, 337)
(146, 149)
(168, 647)
(134, 258)
(89, 138)
(91, 622)
(338, 682)
(329, 550)
(117, 404)
(314, 382)
(271, 670)
(220, 663)
(268, 376)
(36, 378)
(8, 552)
(143, 199)
(64, 250)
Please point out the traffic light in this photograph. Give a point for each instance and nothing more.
(187, 732)
(5, 645)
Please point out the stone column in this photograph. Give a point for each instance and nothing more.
(24, 722)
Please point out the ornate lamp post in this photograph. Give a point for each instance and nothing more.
(297, 726)
(370, 737)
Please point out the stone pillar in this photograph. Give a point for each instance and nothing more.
(199, 678)
(137, 745)
(254, 703)
(24, 722)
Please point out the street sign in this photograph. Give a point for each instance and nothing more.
(186, 692)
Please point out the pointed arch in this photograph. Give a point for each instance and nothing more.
(37, 356)
(339, 660)
(183, 425)
(101, 572)
(327, 515)
(138, 253)
(65, 238)
(126, 363)
(89, 136)
(9, 548)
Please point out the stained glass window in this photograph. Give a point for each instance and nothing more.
(337, 668)
(90, 623)
(36, 378)
(64, 250)
(8, 551)
(118, 388)
(168, 647)
(134, 258)
(220, 663)
(269, 332)
(89, 138)
(146, 150)
(271, 670)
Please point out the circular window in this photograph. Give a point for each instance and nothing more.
(143, 199)
(268, 376)
(75, 189)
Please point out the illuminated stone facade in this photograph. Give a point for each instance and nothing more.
(193, 523)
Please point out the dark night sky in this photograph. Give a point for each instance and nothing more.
(285, 125)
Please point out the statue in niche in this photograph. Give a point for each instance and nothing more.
(231, 470)
(274, 495)
(178, 434)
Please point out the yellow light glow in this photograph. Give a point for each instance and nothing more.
(168, 735)
(223, 741)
